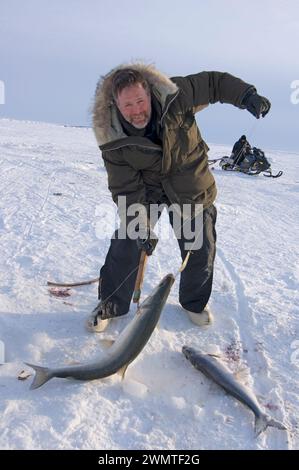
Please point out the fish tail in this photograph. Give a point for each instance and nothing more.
(263, 421)
(42, 375)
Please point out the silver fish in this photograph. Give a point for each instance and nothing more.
(125, 349)
(213, 369)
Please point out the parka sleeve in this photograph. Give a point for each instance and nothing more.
(124, 180)
(211, 87)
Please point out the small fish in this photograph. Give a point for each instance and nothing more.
(125, 349)
(213, 369)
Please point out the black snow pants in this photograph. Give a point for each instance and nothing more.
(117, 281)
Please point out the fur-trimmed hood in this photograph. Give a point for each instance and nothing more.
(106, 124)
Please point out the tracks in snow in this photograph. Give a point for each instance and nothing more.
(247, 333)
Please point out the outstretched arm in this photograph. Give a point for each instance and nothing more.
(211, 87)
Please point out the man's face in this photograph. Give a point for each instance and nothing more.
(135, 105)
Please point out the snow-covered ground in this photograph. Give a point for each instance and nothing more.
(55, 224)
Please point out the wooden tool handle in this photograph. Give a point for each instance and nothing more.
(139, 279)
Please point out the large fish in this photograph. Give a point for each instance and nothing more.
(213, 369)
(125, 349)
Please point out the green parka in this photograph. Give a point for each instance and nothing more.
(136, 166)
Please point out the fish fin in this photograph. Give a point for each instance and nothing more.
(122, 371)
(242, 374)
(263, 421)
(106, 342)
(42, 375)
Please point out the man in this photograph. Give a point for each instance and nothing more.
(153, 152)
(240, 149)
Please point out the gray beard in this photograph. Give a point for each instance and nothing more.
(140, 126)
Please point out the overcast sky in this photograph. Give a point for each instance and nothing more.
(52, 53)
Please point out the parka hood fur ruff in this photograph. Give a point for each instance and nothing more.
(106, 125)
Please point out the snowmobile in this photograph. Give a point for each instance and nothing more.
(246, 159)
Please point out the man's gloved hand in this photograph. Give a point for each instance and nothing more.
(256, 104)
(148, 242)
